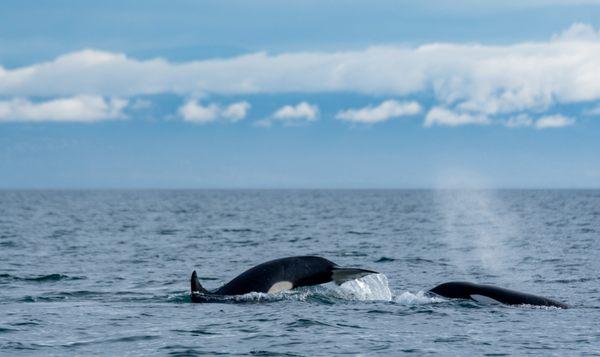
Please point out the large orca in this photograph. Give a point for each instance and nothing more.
(488, 293)
(280, 275)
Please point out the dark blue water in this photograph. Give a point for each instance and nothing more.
(106, 272)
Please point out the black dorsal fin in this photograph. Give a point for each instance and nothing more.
(195, 284)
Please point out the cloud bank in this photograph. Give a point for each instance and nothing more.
(470, 83)
(75, 109)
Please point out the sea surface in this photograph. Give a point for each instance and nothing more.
(107, 272)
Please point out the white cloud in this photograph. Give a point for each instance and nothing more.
(301, 111)
(474, 80)
(554, 121)
(236, 111)
(194, 112)
(384, 111)
(521, 120)
(75, 109)
(291, 115)
(544, 122)
(578, 32)
(445, 117)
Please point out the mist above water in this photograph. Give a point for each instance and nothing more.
(477, 226)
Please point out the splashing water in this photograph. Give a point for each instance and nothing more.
(370, 287)
(420, 298)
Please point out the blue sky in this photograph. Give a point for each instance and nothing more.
(310, 94)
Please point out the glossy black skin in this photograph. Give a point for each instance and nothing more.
(300, 271)
(464, 290)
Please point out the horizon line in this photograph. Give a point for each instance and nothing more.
(100, 188)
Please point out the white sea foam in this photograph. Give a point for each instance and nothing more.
(419, 298)
(370, 287)
(254, 296)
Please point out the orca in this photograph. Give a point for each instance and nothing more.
(491, 294)
(280, 275)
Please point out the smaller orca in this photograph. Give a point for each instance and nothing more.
(488, 293)
(280, 275)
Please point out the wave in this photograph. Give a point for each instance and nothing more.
(87, 295)
(239, 230)
(359, 233)
(39, 278)
(6, 329)
(384, 260)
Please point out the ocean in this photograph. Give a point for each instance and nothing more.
(106, 272)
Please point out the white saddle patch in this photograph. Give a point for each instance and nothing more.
(484, 299)
(280, 286)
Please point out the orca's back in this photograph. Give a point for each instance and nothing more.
(465, 290)
(298, 271)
